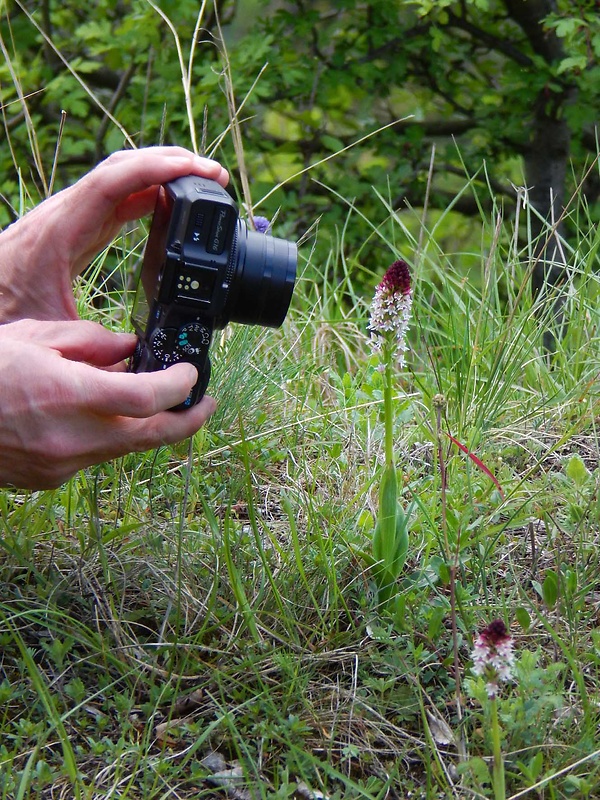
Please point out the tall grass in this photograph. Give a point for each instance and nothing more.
(199, 621)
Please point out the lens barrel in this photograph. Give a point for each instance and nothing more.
(265, 274)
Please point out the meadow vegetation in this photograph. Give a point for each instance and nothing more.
(202, 621)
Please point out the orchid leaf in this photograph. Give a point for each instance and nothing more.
(384, 537)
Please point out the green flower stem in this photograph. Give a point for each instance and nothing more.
(385, 538)
(388, 411)
(498, 769)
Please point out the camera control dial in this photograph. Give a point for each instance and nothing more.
(163, 343)
(193, 339)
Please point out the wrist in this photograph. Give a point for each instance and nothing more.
(33, 282)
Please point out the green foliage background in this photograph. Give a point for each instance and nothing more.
(472, 79)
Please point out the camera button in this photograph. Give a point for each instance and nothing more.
(163, 343)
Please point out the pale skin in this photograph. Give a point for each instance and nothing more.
(65, 400)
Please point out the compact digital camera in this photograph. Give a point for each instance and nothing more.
(203, 268)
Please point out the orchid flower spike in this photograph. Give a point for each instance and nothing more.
(390, 313)
(493, 656)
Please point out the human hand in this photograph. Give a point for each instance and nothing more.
(63, 408)
(41, 253)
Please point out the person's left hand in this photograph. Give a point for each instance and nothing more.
(41, 253)
(66, 401)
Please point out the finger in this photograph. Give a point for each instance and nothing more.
(137, 205)
(138, 395)
(106, 440)
(140, 204)
(128, 172)
(95, 345)
(81, 340)
(76, 340)
(118, 437)
(166, 427)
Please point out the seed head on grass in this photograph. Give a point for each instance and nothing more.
(390, 313)
(493, 656)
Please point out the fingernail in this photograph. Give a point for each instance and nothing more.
(193, 372)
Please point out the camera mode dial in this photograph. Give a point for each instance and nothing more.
(164, 345)
(193, 339)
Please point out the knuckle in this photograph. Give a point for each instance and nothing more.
(146, 400)
(20, 329)
(88, 326)
(114, 158)
(143, 436)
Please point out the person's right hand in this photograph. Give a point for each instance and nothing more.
(67, 403)
(46, 249)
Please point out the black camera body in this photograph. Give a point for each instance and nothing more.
(202, 269)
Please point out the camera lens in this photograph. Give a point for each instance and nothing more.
(265, 274)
